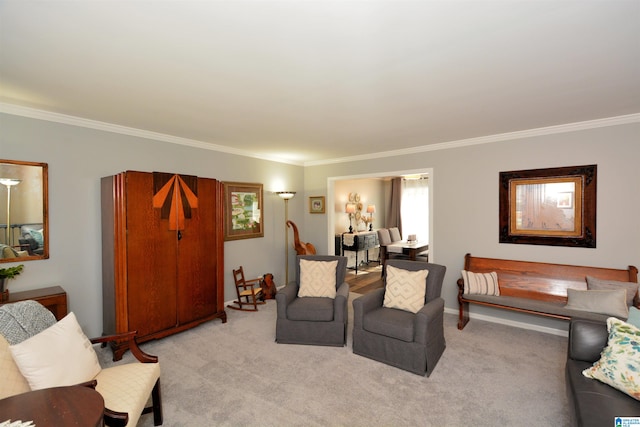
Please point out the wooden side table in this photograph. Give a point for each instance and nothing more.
(56, 407)
(54, 298)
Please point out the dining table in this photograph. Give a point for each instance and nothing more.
(410, 248)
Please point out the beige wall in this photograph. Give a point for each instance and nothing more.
(464, 198)
(79, 157)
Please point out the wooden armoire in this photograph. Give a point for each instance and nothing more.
(162, 254)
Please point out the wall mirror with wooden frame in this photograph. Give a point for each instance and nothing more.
(24, 205)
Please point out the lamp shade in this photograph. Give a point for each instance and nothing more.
(371, 209)
(286, 195)
(350, 208)
(9, 181)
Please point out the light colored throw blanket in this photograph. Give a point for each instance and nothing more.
(24, 319)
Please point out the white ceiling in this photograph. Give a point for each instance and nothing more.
(309, 81)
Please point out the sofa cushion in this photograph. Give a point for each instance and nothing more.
(612, 303)
(126, 387)
(60, 355)
(13, 382)
(405, 289)
(311, 309)
(593, 403)
(317, 278)
(480, 283)
(551, 307)
(607, 285)
(7, 251)
(619, 363)
(390, 322)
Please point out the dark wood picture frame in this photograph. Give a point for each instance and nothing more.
(553, 206)
(243, 210)
(316, 204)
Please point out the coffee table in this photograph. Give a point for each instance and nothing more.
(55, 407)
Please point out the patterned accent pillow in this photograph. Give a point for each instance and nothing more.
(480, 283)
(619, 362)
(405, 290)
(317, 278)
(609, 285)
(60, 355)
(38, 236)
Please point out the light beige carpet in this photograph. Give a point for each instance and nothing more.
(234, 374)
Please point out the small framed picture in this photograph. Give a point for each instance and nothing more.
(316, 204)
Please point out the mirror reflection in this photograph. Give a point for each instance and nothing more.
(23, 211)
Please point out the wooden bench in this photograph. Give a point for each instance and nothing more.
(536, 287)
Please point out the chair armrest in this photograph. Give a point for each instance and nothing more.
(587, 339)
(130, 337)
(340, 303)
(115, 418)
(91, 384)
(429, 320)
(248, 284)
(284, 298)
(366, 303)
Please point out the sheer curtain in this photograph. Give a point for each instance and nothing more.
(414, 208)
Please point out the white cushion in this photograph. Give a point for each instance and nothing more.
(12, 380)
(480, 283)
(612, 303)
(317, 278)
(126, 388)
(60, 355)
(405, 290)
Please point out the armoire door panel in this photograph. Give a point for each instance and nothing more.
(152, 251)
(197, 279)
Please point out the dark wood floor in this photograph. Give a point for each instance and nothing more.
(368, 278)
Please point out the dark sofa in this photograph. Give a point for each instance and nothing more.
(592, 403)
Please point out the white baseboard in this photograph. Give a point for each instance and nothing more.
(516, 324)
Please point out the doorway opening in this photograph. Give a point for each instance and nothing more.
(338, 221)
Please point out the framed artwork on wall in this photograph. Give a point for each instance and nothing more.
(316, 204)
(554, 206)
(242, 211)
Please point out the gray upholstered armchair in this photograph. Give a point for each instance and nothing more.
(315, 320)
(400, 338)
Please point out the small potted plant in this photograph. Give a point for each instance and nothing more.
(5, 275)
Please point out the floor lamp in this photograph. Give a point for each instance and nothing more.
(9, 182)
(286, 195)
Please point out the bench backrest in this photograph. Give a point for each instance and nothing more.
(544, 281)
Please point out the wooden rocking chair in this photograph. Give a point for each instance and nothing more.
(247, 293)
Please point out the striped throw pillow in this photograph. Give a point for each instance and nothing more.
(480, 283)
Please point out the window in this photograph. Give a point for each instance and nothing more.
(414, 208)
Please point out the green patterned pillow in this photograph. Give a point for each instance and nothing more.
(619, 364)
